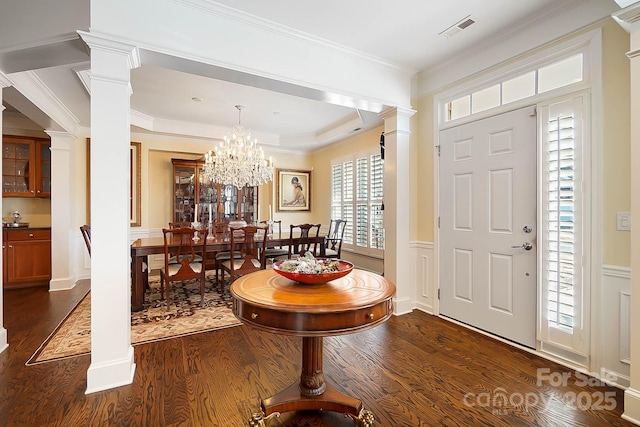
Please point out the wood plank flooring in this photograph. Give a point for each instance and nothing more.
(414, 370)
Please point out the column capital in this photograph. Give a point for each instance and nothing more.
(61, 140)
(97, 41)
(396, 119)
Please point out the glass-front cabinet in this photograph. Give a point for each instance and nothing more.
(26, 166)
(215, 202)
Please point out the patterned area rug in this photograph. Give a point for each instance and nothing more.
(154, 322)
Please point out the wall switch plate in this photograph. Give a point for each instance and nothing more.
(623, 221)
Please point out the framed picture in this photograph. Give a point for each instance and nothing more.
(135, 194)
(293, 191)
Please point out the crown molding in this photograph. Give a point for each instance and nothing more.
(229, 13)
(35, 90)
(4, 81)
(628, 16)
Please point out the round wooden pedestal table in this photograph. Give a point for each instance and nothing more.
(353, 303)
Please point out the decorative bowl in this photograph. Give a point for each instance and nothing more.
(344, 268)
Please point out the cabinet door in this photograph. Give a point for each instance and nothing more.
(18, 167)
(184, 191)
(28, 261)
(43, 163)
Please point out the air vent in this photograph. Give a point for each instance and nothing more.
(457, 27)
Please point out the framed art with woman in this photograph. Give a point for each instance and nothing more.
(293, 190)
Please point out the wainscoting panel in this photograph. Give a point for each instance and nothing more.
(614, 345)
(426, 293)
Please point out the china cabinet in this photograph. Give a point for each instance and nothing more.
(27, 257)
(215, 202)
(26, 166)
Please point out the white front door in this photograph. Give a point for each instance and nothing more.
(487, 236)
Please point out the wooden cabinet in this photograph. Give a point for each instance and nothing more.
(224, 201)
(27, 257)
(26, 166)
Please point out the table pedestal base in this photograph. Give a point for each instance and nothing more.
(312, 392)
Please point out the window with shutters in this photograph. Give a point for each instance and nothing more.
(561, 233)
(356, 195)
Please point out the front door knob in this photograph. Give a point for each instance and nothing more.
(527, 246)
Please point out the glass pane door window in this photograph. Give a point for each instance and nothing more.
(17, 165)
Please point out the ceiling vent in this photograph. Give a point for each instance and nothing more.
(457, 27)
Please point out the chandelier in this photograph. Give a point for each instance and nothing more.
(238, 160)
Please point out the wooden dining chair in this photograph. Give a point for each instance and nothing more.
(180, 244)
(86, 234)
(333, 241)
(248, 242)
(305, 243)
(181, 224)
(281, 251)
(224, 227)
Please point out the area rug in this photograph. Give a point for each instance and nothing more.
(72, 337)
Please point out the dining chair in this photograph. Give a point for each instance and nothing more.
(333, 241)
(248, 242)
(182, 245)
(278, 251)
(180, 224)
(304, 244)
(225, 228)
(86, 234)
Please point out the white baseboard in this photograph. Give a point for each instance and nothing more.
(115, 373)
(62, 284)
(632, 406)
(4, 344)
(402, 306)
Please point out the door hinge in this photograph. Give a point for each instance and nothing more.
(438, 222)
(438, 148)
(438, 293)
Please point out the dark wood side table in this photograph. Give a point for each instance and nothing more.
(353, 303)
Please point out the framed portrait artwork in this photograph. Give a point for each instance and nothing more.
(293, 190)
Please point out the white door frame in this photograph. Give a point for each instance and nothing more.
(591, 43)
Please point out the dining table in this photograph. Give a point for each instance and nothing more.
(142, 247)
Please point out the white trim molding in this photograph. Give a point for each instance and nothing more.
(426, 291)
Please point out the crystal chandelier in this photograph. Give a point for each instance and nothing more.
(238, 160)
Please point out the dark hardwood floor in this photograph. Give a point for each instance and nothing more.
(414, 370)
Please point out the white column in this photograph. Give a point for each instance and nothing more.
(4, 343)
(629, 18)
(397, 260)
(112, 361)
(61, 179)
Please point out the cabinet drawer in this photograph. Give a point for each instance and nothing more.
(16, 235)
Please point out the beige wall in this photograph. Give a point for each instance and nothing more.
(616, 143)
(424, 165)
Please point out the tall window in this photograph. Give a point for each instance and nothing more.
(356, 195)
(562, 161)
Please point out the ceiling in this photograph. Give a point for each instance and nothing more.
(406, 33)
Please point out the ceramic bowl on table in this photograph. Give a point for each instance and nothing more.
(343, 268)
